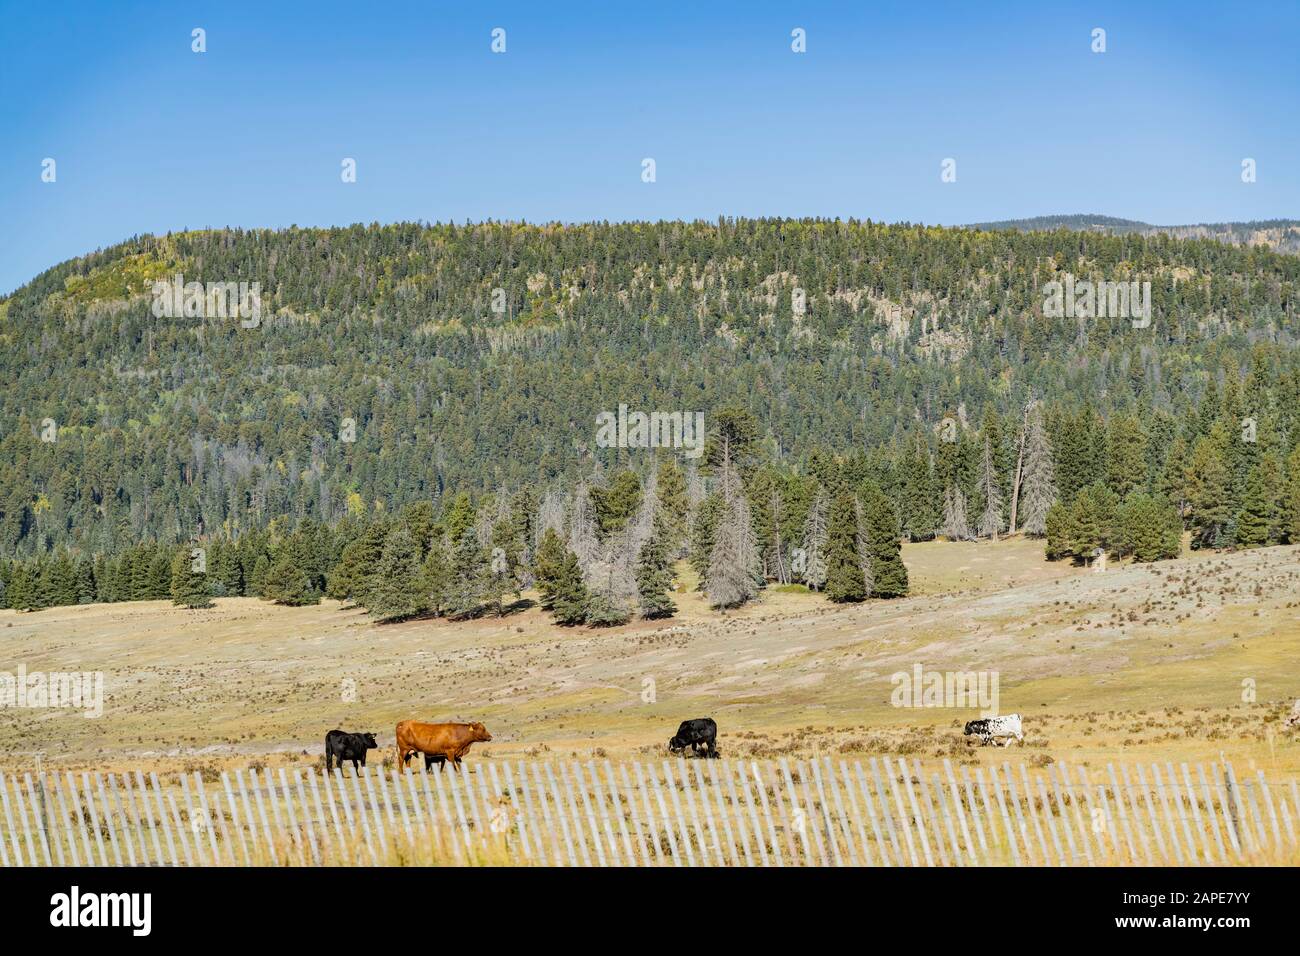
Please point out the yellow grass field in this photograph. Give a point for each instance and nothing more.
(1183, 660)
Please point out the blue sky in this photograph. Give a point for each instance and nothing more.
(149, 136)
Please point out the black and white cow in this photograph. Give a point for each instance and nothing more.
(699, 733)
(996, 730)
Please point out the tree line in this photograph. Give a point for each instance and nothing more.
(406, 363)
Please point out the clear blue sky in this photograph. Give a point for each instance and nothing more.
(149, 136)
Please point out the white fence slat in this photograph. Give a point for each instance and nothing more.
(710, 818)
(1006, 817)
(959, 811)
(638, 833)
(864, 786)
(616, 801)
(729, 774)
(568, 811)
(931, 812)
(70, 826)
(181, 828)
(855, 814)
(902, 813)
(649, 813)
(1163, 797)
(755, 829)
(761, 787)
(798, 816)
(1022, 831)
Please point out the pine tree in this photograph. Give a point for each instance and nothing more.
(674, 506)
(1291, 499)
(1208, 494)
(569, 597)
(844, 578)
(351, 578)
(398, 589)
(814, 543)
(547, 567)
(1148, 528)
(861, 545)
(919, 498)
(189, 585)
(955, 527)
(84, 575)
(469, 565)
(1056, 530)
(654, 574)
(1126, 455)
(703, 532)
(888, 573)
(734, 568)
(435, 575)
(1256, 517)
(286, 583)
(990, 522)
(1038, 486)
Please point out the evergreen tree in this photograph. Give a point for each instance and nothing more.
(469, 566)
(1255, 520)
(674, 506)
(285, 583)
(398, 588)
(569, 597)
(888, 573)
(84, 576)
(955, 527)
(435, 575)
(1208, 494)
(189, 584)
(814, 543)
(844, 578)
(703, 533)
(1148, 528)
(1291, 499)
(990, 522)
(547, 566)
(654, 574)
(1038, 484)
(734, 568)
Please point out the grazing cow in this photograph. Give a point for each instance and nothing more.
(341, 745)
(701, 732)
(994, 729)
(444, 742)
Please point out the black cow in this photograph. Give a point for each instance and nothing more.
(431, 759)
(341, 745)
(699, 733)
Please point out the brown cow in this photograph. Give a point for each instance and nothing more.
(449, 742)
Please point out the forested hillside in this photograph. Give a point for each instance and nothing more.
(118, 427)
(1281, 235)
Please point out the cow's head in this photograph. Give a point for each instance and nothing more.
(971, 726)
(371, 743)
(676, 744)
(480, 732)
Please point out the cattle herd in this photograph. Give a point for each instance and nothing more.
(442, 744)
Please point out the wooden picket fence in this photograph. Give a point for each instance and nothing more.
(676, 812)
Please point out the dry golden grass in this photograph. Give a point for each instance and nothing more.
(1139, 663)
